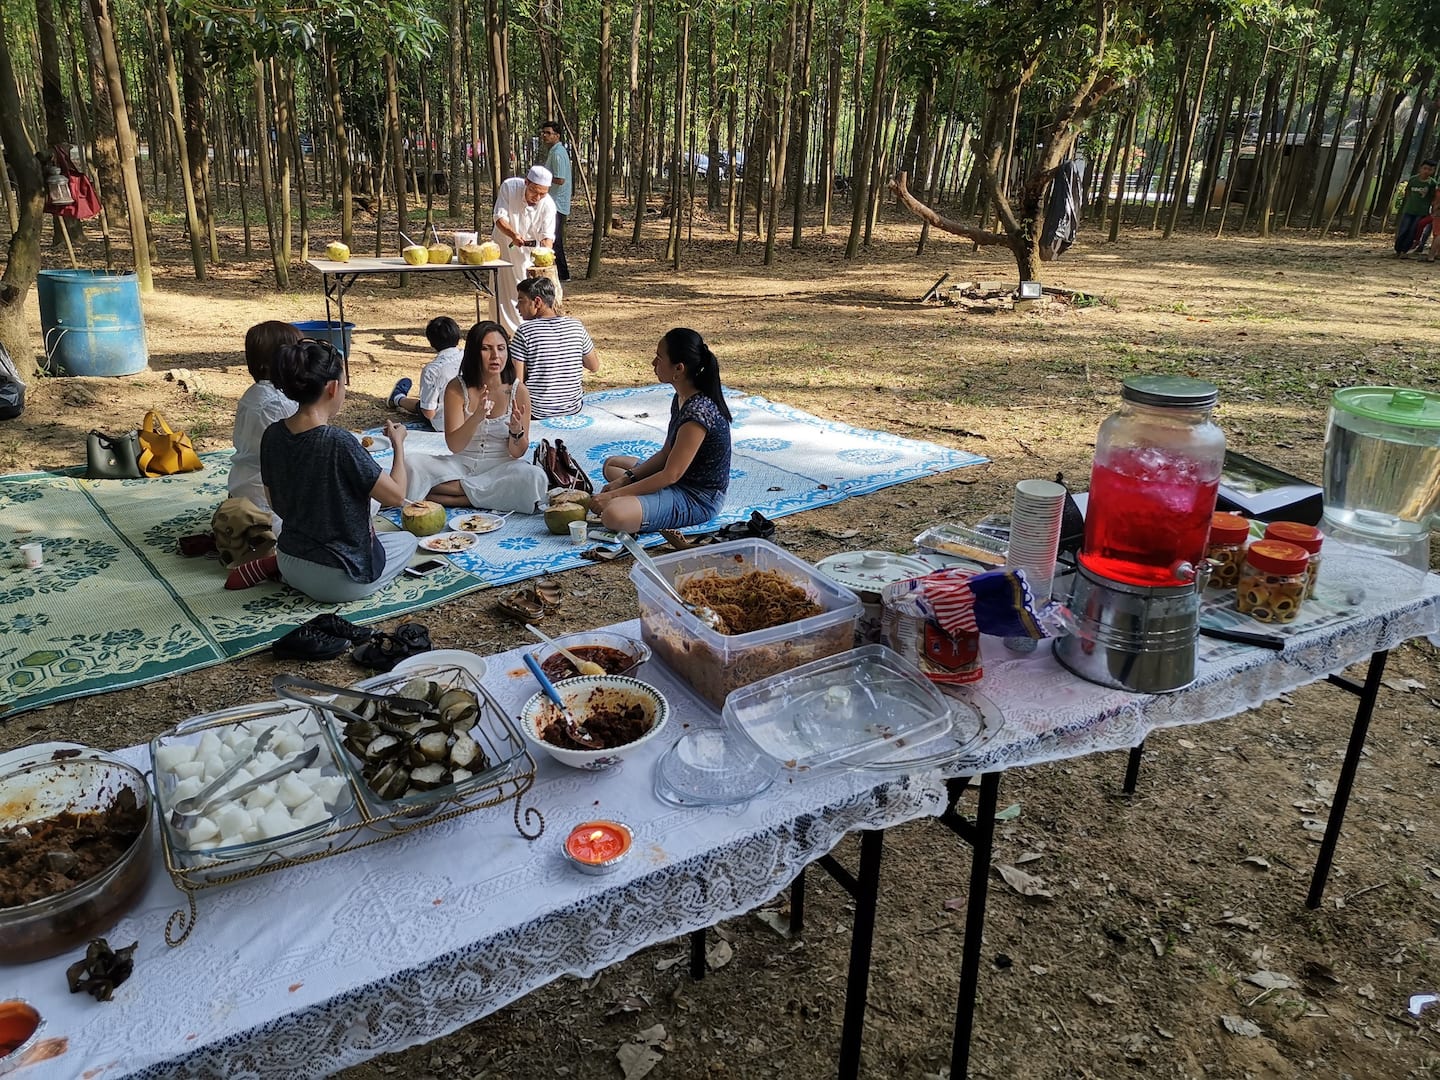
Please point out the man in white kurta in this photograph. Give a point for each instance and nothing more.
(524, 219)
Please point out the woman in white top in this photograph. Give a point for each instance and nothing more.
(259, 407)
(487, 428)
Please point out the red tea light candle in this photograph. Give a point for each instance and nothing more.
(598, 847)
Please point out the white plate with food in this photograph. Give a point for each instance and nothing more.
(375, 444)
(478, 523)
(448, 543)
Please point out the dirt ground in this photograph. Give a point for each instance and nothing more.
(1165, 904)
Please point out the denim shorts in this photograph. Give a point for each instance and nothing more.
(675, 507)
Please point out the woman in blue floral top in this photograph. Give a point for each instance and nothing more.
(684, 483)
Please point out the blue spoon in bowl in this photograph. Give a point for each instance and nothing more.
(573, 727)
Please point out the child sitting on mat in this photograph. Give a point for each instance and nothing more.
(260, 406)
(443, 333)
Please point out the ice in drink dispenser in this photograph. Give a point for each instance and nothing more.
(1136, 593)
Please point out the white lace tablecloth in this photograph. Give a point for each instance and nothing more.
(1050, 714)
(312, 969)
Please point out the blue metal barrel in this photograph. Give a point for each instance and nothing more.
(338, 334)
(92, 322)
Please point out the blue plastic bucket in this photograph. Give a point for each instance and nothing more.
(338, 334)
(92, 322)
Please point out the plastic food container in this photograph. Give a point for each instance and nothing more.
(861, 707)
(44, 789)
(958, 542)
(1272, 581)
(713, 664)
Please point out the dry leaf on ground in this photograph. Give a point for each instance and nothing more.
(1238, 1025)
(1023, 883)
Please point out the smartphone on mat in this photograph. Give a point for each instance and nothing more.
(429, 566)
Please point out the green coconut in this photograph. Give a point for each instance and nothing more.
(558, 518)
(422, 518)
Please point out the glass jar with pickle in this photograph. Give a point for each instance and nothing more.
(1272, 581)
(1226, 548)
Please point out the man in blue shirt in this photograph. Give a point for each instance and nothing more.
(558, 162)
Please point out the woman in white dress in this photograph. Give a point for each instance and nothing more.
(487, 428)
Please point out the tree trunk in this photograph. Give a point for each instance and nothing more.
(455, 102)
(1322, 185)
(802, 136)
(177, 115)
(604, 109)
(1209, 173)
(641, 165)
(196, 136)
(779, 133)
(857, 93)
(284, 124)
(106, 156)
(397, 152)
(1277, 156)
(497, 36)
(677, 152)
(1129, 139)
(860, 193)
(1359, 162)
(714, 116)
(1233, 164)
(1302, 175)
(1269, 106)
(834, 81)
(110, 58)
(23, 253)
(1182, 180)
(267, 189)
(732, 120)
(1384, 123)
(1398, 164)
(634, 128)
(343, 170)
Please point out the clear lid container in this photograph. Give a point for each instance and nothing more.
(712, 767)
(857, 707)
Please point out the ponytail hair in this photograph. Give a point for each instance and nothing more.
(302, 371)
(685, 346)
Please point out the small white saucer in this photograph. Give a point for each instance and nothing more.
(438, 658)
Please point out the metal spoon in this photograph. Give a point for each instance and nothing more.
(584, 667)
(706, 615)
(573, 727)
(295, 764)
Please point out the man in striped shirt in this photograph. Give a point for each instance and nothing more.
(551, 352)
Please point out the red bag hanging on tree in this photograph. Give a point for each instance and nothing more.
(84, 204)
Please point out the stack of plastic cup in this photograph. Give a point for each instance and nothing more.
(1034, 542)
(1035, 534)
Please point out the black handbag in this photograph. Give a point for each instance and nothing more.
(113, 457)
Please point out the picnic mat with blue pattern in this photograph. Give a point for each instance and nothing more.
(114, 604)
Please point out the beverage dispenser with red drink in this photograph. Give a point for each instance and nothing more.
(1136, 592)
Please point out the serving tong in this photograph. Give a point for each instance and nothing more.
(708, 616)
(184, 819)
(289, 687)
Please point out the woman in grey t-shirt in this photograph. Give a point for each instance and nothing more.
(320, 481)
(684, 483)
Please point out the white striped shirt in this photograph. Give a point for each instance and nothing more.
(553, 351)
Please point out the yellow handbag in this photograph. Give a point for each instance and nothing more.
(165, 451)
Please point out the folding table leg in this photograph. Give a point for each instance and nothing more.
(1363, 712)
(797, 903)
(1132, 768)
(697, 954)
(982, 839)
(862, 937)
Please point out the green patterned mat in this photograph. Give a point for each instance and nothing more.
(114, 604)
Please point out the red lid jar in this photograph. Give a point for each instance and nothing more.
(1225, 550)
(1278, 557)
(1303, 536)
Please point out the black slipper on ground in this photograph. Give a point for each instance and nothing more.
(383, 651)
(759, 526)
(309, 642)
(334, 624)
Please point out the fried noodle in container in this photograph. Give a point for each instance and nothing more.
(935, 621)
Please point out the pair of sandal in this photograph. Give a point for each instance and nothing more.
(532, 601)
(758, 527)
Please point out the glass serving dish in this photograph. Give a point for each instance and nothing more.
(637, 652)
(241, 725)
(712, 767)
(863, 707)
(960, 542)
(44, 789)
(496, 735)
